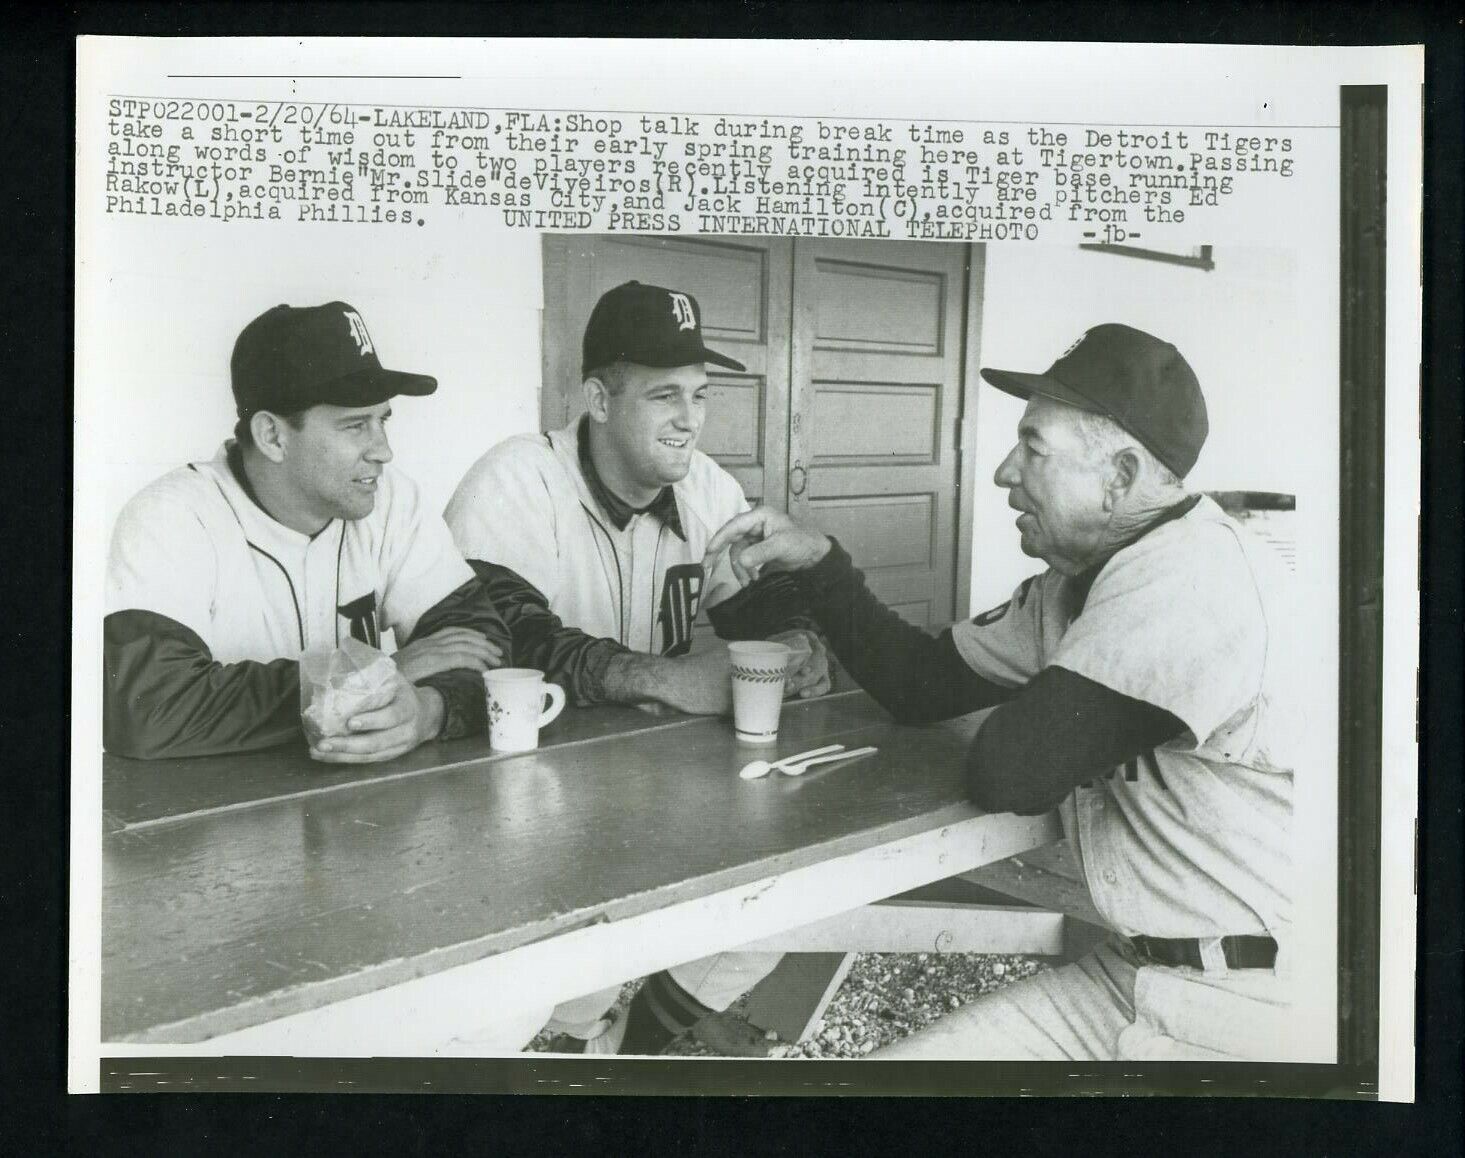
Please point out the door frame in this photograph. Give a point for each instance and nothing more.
(560, 367)
(966, 425)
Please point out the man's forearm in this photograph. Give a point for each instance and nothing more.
(539, 638)
(632, 678)
(460, 707)
(460, 691)
(774, 603)
(1061, 731)
(433, 712)
(165, 696)
(699, 684)
(914, 676)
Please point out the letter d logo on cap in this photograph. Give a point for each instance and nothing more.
(358, 333)
(681, 310)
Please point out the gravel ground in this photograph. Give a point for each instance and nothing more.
(884, 997)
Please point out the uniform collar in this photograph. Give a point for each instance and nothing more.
(620, 512)
(234, 457)
(1084, 580)
(234, 460)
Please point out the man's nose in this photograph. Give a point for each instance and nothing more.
(686, 416)
(380, 449)
(1007, 473)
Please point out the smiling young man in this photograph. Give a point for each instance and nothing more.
(609, 519)
(298, 535)
(1140, 689)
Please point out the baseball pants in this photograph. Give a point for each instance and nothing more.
(1111, 1006)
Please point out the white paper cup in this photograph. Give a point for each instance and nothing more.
(516, 707)
(758, 670)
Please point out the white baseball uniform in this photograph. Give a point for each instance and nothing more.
(194, 547)
(200, 575)
(1190, 840)
(527, 506)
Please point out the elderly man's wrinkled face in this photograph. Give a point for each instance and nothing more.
(1058, 483)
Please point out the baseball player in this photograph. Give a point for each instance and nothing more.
(622, 501)
(1140, 690)
(610, 519)
(297, 535)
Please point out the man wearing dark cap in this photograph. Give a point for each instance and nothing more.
(296, 536)
(1137, 687)
(610, 519)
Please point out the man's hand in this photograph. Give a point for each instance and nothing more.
(699, 684)
(447, 650)
(807, 677)
(410, 717)
(765, 539)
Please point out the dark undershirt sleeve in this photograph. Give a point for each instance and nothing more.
(165, 696)
(465, 710)
(566, 655)
(774, 603)
(1060, 731)
(916, 677)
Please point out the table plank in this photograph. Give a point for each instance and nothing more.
(142, 792)
(358, 1016)
(397, 876)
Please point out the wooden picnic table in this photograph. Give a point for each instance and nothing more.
(266, 903)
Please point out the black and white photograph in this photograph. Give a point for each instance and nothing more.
(620, 571)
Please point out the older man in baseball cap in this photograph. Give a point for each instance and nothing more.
(1137, 688)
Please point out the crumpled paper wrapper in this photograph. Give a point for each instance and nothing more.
(343, 682)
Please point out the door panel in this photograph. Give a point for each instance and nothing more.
(875, 424)
(860, 306)
(877, 382)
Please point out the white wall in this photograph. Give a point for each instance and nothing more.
(466, 310)
(1243, 327)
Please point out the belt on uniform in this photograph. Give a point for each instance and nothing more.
(1243, 952)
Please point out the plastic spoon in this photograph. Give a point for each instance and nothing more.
(800, 767)
(757, 769)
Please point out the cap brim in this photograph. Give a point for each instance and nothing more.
(721, 360)
(1024, 386)
(680, 358)
(368, 387)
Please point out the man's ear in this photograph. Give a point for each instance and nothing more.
(597, 400)
(1125, 467)
(269, 434)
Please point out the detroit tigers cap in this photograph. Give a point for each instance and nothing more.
(1136, 379)
(294, 357)
(649, 325)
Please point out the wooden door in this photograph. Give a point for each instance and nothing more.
(875, 413)
(861, 366)
(743, 290)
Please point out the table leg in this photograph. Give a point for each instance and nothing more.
(794, 996)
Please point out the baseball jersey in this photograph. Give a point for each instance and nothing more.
(1192, 838)
(194, 547)
(210, 602)
(526, 505)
